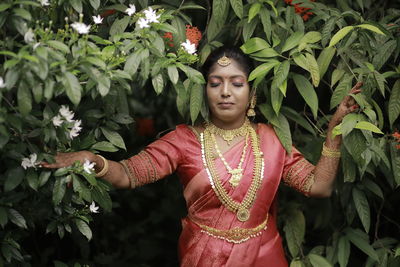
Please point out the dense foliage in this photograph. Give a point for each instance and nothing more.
(107, 84)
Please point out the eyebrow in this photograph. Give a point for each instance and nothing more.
(230, 77)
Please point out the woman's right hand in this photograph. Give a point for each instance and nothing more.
(67, 159)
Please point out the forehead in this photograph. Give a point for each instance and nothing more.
(233, 69)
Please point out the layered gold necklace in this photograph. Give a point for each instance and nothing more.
(229, 135)
(242, 209)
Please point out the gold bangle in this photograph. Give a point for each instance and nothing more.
(105, 167)
(330, 153)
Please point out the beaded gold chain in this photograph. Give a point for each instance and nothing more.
(229, 135)
(242, 209)
(237, 173)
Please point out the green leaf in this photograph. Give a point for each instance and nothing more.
(311, 37)
(81, 188)
(318, 261)
(97, 62)
(371, 28)
(237, 6)
(292, 41)
(73, 87)
(281, 74)
(300, 60)
(340, 35)
(385, 51)
(24, 98)
(307, 92)
(265, 53)
(365, 125)
(254, 10)
(343, 251)
(58, 190)
(43, 178)
(282, 130)
(196, 101)
(103, 85)
(276, 99)
(23, 13)
(313, 69)
(253, 45)
(32, 179)
(380, 80)
(59, 264)
(362, 207)
(158, 83)
(324, 59)
(219, 14)
(173, 74)
(102, 198)
(294, 231)
(296, 117)
(194, 75)
(17, 218)
(266, 22)
(355, 144)
(84, 228)
(95, 3)
(104, 146)
(342, 89)
(59, 46)
(4, 7)
(119, 26)
(114, 137)
(373, 187)
(395, 157)
(13, 179)
(394, 103)
(296, 263)
(77, 5)
(361, 243)
(3, 217)
(263, 69)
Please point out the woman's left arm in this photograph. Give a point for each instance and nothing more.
(327, 166)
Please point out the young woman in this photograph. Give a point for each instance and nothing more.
(230, 169)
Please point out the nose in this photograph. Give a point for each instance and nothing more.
(225, 90)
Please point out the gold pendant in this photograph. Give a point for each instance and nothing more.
(228, 137)
(243, 214)
(236, 176)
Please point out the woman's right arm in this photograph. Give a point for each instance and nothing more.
(115, 174)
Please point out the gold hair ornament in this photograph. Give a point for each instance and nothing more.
(224, 61)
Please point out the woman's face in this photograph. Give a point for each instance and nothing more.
(228, 95)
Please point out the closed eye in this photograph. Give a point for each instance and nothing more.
(214, 84)
(238, 84)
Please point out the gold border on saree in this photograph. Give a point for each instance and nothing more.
(235, 235)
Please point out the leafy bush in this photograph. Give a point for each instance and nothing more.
(63, 89)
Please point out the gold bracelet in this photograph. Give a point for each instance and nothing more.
(105, 167)
(330, 153)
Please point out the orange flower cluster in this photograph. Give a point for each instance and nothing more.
(396, 136)
(193, 34)
(302, 11)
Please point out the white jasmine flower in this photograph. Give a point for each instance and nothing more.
(2, 83)
(44, 2)
(76, 129)
(66, 113)
(93, 208)
(88, 166)
(80, 27)
(97, 19)
(151, 15)
(29, 162)
(131, 10)
(189, 47)
(143, 23)
(29, 36)
(57, 120)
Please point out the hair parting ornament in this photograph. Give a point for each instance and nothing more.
(224, 61)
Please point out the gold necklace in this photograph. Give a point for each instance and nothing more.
(237, 173)
(242, 209)
(229, 135)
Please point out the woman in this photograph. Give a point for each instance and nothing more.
(230, 169)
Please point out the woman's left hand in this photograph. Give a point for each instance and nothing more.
(345, 107)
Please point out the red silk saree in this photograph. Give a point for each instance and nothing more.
(211, 234)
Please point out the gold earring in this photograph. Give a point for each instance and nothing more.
(253, 102)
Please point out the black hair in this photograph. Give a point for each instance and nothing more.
(244, 61)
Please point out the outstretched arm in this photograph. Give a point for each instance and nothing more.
(115, 174)
(327, 167)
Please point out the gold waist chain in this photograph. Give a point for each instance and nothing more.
(235, 235)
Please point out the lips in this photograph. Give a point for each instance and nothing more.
(225, 105)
